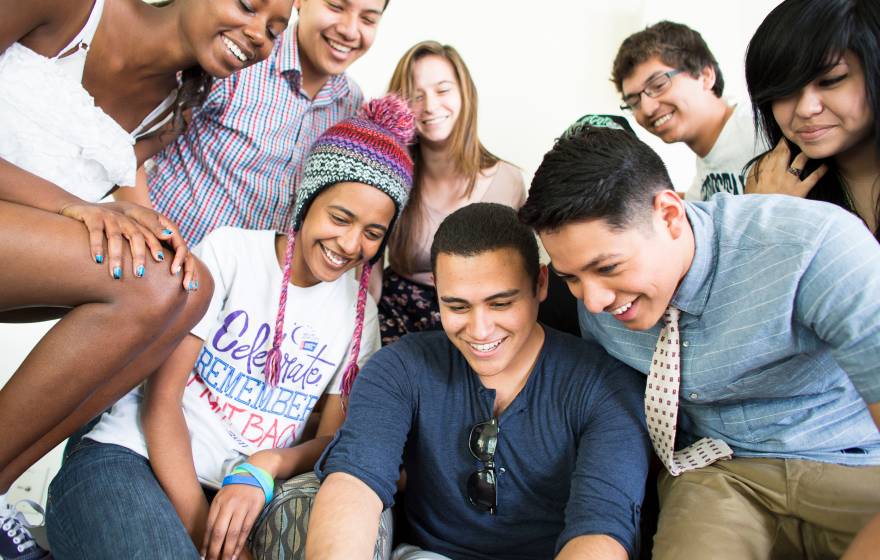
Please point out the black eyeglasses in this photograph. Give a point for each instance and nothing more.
(655, 86)
(481, 489)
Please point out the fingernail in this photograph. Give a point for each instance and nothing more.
(117, 272)
(167, 231)
(177, 271)
(140, 271)
(197, 284)
(99, 259)
(160, 255)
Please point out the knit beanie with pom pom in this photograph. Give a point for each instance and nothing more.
(369, 148)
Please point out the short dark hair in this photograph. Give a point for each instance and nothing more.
(676, 44)
(595, 173)
(482, 227)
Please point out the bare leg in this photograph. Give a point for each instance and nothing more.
(114, 335)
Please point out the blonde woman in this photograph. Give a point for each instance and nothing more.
(452, 169)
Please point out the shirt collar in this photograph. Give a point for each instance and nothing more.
(693, 291)
(287, 57)
(287, 61)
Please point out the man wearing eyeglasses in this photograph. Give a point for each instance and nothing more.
(672, 84)
(518, 441)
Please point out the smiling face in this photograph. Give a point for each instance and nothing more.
(331, 34)
(632, 273)
(678, 114)
(228, 35)
(831, 115)
(343, 227)
(489, 310)
(436, 98)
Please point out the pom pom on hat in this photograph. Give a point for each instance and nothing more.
(391, 113)
(369, 148)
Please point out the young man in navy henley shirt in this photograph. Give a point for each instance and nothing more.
(518, 441)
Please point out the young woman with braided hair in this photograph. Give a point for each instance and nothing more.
(234, 422)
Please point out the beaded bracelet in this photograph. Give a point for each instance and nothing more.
(252, 475)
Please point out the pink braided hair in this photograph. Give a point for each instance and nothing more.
(272, 369)
(392, 114)
(352, 370)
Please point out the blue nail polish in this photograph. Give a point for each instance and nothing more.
(160, 255)
(99, 259)
(140, 271)
(117, 272)
(192, 285)
(167, 231)
(197, 284)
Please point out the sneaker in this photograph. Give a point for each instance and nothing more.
(16, 542)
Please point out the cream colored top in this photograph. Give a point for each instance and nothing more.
(502, 183)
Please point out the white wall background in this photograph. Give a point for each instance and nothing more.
(537, 65)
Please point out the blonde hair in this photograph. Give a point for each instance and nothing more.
(467, 151)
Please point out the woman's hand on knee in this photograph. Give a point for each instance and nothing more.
(233, 513)
(143, 228)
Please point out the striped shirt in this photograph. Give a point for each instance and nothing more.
(239, 161)
(780, 330)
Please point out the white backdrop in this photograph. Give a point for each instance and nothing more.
(537, 65)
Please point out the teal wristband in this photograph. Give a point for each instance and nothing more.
(267, 483)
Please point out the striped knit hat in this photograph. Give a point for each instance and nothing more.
(369, 148)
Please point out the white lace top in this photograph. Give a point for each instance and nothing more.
(50, 125)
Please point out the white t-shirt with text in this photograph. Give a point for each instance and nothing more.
(722, 168)
(230, 411)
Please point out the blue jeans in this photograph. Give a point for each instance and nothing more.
(106, 503)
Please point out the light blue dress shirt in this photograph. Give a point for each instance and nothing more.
(780, 330)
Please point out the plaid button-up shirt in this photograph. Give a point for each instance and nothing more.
(239, 161)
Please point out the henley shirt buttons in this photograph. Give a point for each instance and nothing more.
(684, 343)
(694, 396)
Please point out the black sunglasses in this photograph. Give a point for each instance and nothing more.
(481, 490)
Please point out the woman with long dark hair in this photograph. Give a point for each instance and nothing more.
(813, 72)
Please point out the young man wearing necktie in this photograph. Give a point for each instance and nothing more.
(757, 322)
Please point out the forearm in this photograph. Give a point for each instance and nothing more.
(167, 437)
(284, 463)
(344, 521)
(588, 547)
(22, 187)
(171, 459)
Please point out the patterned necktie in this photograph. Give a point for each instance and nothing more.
(661, 406)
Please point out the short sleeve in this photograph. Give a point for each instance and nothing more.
(218, 262)
(608, 483)
(369, 445)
